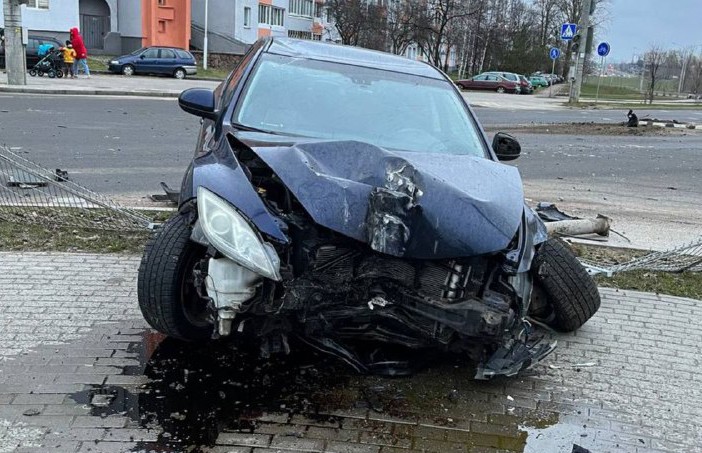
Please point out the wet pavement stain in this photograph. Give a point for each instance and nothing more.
(189, 397)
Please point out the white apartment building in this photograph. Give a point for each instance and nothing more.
(233, 25)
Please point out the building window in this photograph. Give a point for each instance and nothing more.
(264, 14)
(301, 7)
(38, 4)
(162, 2)
(247, 17)
(271, 15)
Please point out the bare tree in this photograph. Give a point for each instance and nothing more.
(349, 18)
(433, 24)
(654, 57)
(695, 77)
(400, 24)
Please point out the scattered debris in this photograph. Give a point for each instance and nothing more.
(31, 412)
(171, 196)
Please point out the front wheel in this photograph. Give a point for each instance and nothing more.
(570, 293)
(128, 70)
(166, 289)
(500, 90)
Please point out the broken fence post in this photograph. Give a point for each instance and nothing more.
(599, 225)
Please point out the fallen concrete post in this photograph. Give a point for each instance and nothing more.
(599, 225)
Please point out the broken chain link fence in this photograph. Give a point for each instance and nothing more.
(32, 194)
(680, 259)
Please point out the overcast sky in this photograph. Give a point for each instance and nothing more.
(631, 26)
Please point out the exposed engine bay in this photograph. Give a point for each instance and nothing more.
(335, 292)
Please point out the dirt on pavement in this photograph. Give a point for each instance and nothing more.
(594, 129)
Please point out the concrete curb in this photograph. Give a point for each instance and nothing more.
(647, 123)
(90, 92)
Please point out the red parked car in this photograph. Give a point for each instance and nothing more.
(490, 82)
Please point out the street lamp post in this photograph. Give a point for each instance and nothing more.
(204, 46)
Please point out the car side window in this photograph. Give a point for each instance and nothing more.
(167, 53)
(480, 77)
(183, 54)
(492, 78)
(151, 53)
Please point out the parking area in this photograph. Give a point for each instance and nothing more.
(80, 371)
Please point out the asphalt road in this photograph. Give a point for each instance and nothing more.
(125, 146)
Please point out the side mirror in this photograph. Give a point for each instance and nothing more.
(142, 56)
(506, 147)
(199, 102)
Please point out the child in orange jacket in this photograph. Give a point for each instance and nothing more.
(69, 56)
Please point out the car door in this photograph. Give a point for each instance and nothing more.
(166, 61)
(478, 82)
(147, 61)
(491, 82)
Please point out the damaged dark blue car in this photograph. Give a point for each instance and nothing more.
(348, 200)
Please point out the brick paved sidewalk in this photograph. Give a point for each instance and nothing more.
(73, 345)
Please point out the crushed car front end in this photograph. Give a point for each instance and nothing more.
(329, 224)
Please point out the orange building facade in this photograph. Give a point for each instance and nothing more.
(166, 23)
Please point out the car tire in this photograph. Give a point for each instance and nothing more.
(500, 90)
(166, 292)
(570, 292)
(33, 72)
(179, 73)
(128, 70)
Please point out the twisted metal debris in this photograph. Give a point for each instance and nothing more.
(32, 194)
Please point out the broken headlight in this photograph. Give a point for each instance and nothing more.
(231, 234)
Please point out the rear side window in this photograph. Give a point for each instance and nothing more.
(167, 53)
(183, 54)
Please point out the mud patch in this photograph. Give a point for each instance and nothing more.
(593, 129)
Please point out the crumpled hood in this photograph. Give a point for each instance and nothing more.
(413, 205)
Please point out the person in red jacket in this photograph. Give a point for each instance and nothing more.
(81, 52)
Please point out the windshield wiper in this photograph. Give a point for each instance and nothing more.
(243, 127)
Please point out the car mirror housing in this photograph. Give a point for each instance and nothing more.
(199, 102)
(506, 147)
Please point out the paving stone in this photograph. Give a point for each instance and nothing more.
(347, 447)
(241, 439)
(645, 379)
(297, 444)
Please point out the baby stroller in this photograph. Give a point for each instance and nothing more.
(51, 63)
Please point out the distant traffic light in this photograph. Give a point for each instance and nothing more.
(576, 42)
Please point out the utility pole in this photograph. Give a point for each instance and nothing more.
(15, 58)
(582, 54)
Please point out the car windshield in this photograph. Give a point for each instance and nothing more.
(335, 101)
(138, 51)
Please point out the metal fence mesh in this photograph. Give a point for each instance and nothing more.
(30, 193)
(685, 258)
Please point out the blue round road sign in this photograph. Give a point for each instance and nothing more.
(603, 49)
(554, 53)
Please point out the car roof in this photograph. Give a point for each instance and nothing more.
(336, 53)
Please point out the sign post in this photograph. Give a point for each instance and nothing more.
(602, 50)
(554, 53)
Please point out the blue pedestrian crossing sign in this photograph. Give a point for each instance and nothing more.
(554, 53)
(603, 49)
(568, 31)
